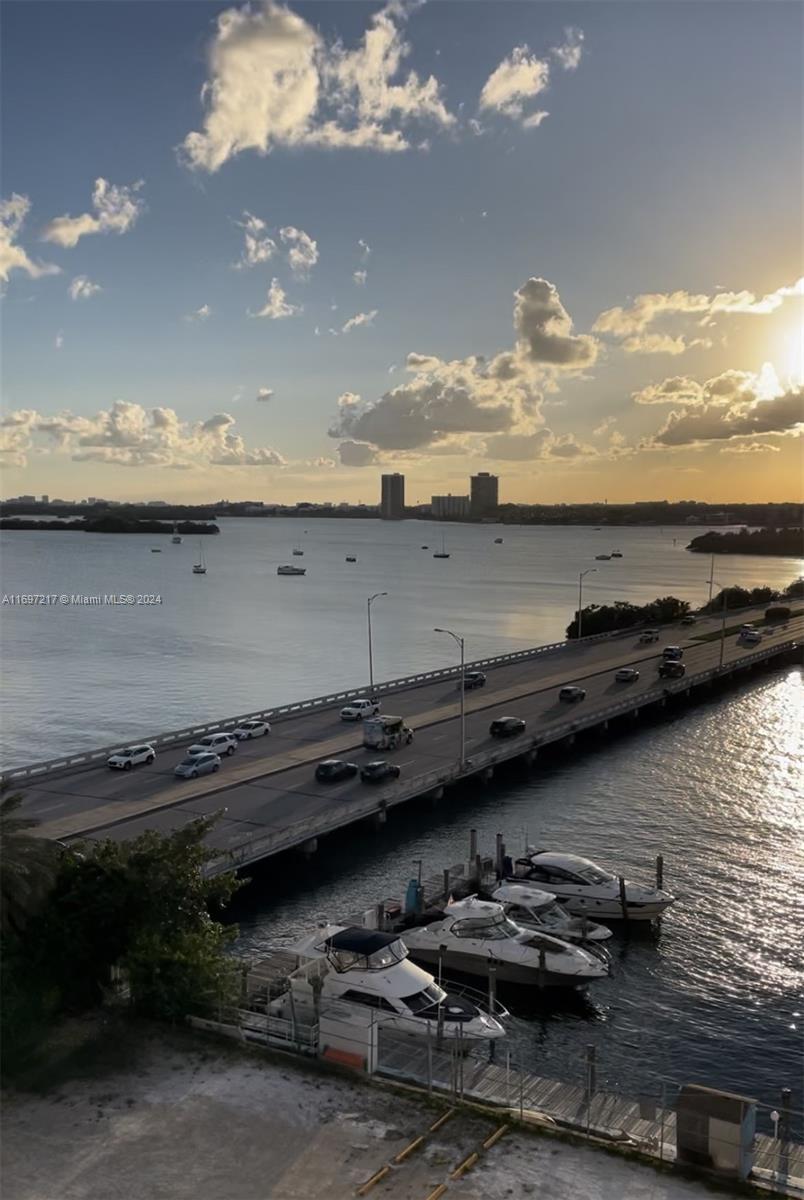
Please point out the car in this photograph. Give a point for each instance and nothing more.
(197, 764)
(132, 756)
(627, 675)
(218, 743)
(672, 654)
(473, 679)
(359, 709)
(649, 635)
(504, 727)
(332, 770)
(751, 637)
(251, 729)
(689, 619)
(571, 694)
(671, 669)
(379, 771)
(748, 628)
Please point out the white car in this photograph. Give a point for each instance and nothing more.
(124, 760)
(627, 675)
(359, 709)
(252, 729)
(217, 743)
(649, 635)
(750, 637)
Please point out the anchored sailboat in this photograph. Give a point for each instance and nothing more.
(200, 567)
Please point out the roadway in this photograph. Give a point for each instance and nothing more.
(268, 784)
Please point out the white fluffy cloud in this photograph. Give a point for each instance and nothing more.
(569, 53)
(82, 288)
(544, 328)
(358, 320)
(265, 393)
(200, 314)
(274, 81)
(365, 250)
(356, 454)
(276, 305)
(258, 247)
(541, 445)
(303, 252)
(129, 435)
(116, 208)
(12, 256)
(518, 78)
(359, 277)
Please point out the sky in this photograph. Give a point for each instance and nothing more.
(265, 252)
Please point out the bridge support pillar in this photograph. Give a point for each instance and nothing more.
(487, 774)
(663, 702)
(435, 794)
(568, 741)
(603, 727)
(379, 818)
(530, 757)
(309, 847)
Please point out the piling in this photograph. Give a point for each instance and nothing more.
(492, 986)
(542, 967)
(445, 884)
(472, 845)
(785, 1122)
(659, 871)
(477, 870)
(591, 1073)
(499, 854)
(623, 900)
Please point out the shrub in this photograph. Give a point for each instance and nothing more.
(777, 612)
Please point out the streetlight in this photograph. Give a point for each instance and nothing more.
(722, 619)
(369, 603)
(588, 571)
(456, 638)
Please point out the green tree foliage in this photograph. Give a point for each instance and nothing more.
(795, 589)
(750, 541)
(27, 867)
(739, 597)
(607, 618)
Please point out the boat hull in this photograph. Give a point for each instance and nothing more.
(610, 910)
(478, 965)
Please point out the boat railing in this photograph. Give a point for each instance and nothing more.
(483, 1000)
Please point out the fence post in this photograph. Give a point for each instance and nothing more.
(785, 1122)
(472, 847)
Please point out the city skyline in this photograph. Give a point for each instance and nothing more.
(510, 244)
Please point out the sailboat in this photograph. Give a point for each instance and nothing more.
(176, 539)
(442, 553)
(297, 550)
(200, 568)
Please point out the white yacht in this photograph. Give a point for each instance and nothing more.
(472, 931)
(533, 909)
(286, 570)
(586, 889)
(370, 971)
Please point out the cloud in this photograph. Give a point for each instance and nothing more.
(274, 81)
(116, 210)
(540, 445)
(569, 53)
(264, 393)
(83, 288)
(276, 306)
(129, 435)
(545, 329)
(58, 341)
(12, 256)
(365, 250)
(258, 246)
(735, 404)
(518, 78)
(356, 454)
(359, 277)
(358, 320)
(679, 389)
(200, 314)
(303, 253)
(654, 343)
(750, 448)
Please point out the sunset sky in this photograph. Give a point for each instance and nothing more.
(268, 252)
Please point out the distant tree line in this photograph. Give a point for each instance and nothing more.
(607, 618)
(751, 541)
(739, 597)
(659, 512)
(109, 524)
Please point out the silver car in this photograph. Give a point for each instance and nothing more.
(197, 764)
(251, 729)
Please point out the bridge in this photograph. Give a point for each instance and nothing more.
(270, 799)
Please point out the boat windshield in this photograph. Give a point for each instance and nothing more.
(386, 956)
(539, 908)
(491, 928)
(424, 999)
(593, 874)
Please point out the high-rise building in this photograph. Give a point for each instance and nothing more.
(45, 499)
(392, 500)
(450, 507)
(484, 499)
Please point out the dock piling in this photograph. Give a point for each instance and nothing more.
(591, 1072)
(659, 871)
(542, 967)
(623, 899)
(499, 852)
(472, 845)
(446, 884)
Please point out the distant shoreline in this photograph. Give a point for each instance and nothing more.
(108, 525)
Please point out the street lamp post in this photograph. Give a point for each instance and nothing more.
(456, 638)
(722, 620)
(369, 603)
(588, 571)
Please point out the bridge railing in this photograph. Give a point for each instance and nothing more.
(256, 848)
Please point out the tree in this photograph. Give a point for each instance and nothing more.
(27, 867)
(608, 618)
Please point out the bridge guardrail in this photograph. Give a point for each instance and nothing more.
(293, 835)
(90, 758)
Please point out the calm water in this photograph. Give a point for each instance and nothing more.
(716, 998)
(241, 638)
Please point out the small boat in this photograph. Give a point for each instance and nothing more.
(298, 552)
(351, 558)
(498, 541)
(176, 539)
(286, 570)
(442, 553)
(156, 549)
(200, 568)
(602, 557)
(534, 909)
(583, 887)
(425, 547)
(372, 978)
(616, 554)
(471, 931)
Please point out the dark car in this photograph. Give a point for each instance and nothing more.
(333, 769)
(379, 771)
(689, 619)
(671, 669)
(473, 679)
(503, 727)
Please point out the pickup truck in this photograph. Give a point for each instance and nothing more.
(359, 709)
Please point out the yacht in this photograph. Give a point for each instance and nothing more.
(176, 539)
(351, 558)
(471, 932)
(371, 973)
(298, 552)
(156, 549)
(498, 541)
(534, 909)
(616, 554)
(443, 552)
(585, 889)
(602, 557)
(200, 568)
(291, 570)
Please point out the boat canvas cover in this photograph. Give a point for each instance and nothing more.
(361, 941)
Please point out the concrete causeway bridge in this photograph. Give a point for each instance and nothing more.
(270, 799)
